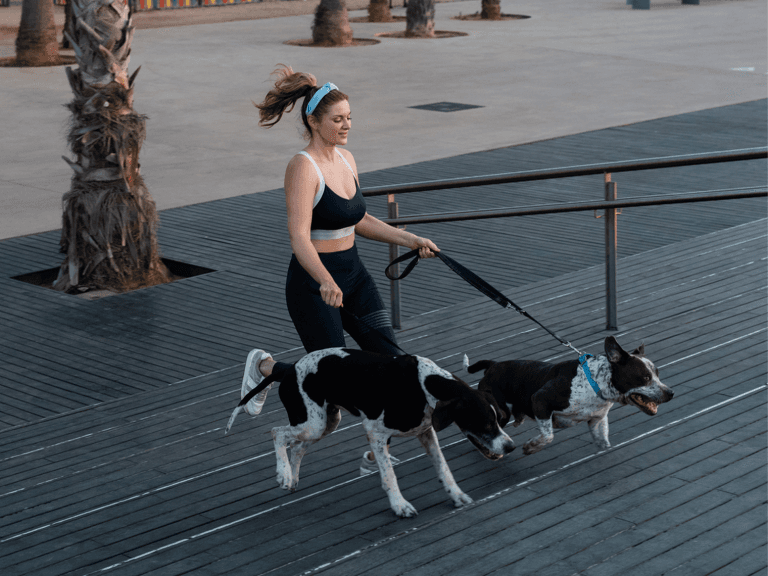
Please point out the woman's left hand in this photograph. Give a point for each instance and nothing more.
(426, 247)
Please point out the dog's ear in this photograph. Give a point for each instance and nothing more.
(502, 415)
(639, 351)
(443, 414)
(616, 354)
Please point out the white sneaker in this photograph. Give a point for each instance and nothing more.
(371, 466)
(251, 378)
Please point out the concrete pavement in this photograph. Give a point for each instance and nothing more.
(571, 67)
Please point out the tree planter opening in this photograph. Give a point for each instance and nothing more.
(367, 19)
(309, 43)
(478, 16)
(46, 278)
(445, 107)
(437, 34)
(61, 60)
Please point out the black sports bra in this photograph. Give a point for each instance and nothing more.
(334, 216)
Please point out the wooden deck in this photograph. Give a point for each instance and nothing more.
(113, 454)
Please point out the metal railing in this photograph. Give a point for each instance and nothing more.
(611, 204)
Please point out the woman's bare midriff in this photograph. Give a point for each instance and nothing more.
(337, 245)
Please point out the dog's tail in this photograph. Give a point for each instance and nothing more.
(247, 398)
(477, 366)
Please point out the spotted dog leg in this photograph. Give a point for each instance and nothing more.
(378, 442)
(282, 436)
(299, 438)
(546, 435)
(429, 440)
(599, 429)
(542, 412)
(299, 448)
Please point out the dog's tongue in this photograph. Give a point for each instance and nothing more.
(652, 407)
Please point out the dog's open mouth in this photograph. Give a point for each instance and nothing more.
(644, 404)
(485, 452)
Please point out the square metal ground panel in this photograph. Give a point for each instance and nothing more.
(445, 106)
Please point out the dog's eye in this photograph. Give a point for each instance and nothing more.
(647, 378)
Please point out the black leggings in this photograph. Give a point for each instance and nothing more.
(322, 326)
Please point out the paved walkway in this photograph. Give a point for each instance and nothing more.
(570, 68)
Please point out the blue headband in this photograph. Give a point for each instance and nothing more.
(319, 95)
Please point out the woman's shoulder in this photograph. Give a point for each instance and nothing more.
(301, 176)
(301, 162)
(347, 155)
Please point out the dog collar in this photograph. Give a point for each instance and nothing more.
(583, 362)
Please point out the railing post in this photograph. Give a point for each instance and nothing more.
(394, 285)
(611, 312)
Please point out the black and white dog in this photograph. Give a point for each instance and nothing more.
(395, 396)
(560, 395)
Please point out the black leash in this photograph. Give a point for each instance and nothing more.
(378, 332)
(475, 281)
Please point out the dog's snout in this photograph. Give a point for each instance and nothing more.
(508, 447)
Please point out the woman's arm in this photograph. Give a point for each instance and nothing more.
(301, 184)
(374, 229)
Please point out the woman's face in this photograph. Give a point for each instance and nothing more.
(335, 124)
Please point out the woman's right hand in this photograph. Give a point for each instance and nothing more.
(331, 294)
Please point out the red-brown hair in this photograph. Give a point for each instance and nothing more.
(289, 88)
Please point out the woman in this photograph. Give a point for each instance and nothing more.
(326, 210)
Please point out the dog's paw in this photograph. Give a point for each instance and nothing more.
(603, 445)
(285, 479)
(404, 509)
(460, 499)
(531, 448)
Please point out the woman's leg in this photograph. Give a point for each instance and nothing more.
(374, 332)
(318, 325)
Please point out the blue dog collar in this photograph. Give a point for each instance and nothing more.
(583, 362)
(319, 95)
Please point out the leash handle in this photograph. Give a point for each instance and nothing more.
(403, 258)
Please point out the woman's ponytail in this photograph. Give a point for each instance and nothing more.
(289, 88)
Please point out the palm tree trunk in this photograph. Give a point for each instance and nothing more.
(67, 24)
(420, 19)
(331, 26)
(378, 11)
(110, 220)
(36, 43)
(491, 10)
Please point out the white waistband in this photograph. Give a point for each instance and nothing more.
(331, 234)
